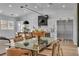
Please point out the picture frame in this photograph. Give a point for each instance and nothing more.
(42, 21)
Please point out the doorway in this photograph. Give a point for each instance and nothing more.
(65, 29)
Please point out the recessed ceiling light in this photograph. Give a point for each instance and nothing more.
(63, 6)
(0, 11)
(10, 5)
(48, 5)
(35, 7)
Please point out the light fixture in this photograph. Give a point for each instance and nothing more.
(25, 22)
(48, 5)
(63, 6)
(35, 7)
(24, 7)
(10, 5)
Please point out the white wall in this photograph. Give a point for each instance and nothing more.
(75, 26)
(33, 20)
(54, 15)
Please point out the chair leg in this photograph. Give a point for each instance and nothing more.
(61, 52)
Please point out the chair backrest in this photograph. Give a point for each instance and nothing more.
(55, 48)
(16, 39)
(3, 38)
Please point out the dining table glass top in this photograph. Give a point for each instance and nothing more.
(32, 44)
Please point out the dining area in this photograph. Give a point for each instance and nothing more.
(31, 48)
(38, 29)
(32, 44)
(37, 43)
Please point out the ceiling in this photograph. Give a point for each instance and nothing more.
(15, 10)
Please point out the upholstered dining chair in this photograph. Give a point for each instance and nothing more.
(4, 44)
(5, 39)
(18, 38)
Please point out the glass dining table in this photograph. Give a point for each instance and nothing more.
(32, 44)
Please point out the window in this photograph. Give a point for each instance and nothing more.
(10, 25)
(3, 24)
(6, 25)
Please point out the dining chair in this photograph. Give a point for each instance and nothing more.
(5, 39)
(4, 44)
(18, 38)
(55, 50)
